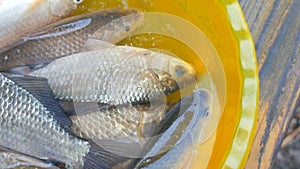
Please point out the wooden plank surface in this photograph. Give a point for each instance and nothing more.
(275, 27)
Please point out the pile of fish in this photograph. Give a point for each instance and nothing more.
(71, 98)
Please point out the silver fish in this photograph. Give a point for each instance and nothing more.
(16, 17)
(68, 36)
(12, 159)
(131, 124)
(174, 109)
(117, 122)
(182, 136)
(116, 75)
(126, 130)
(28, 127)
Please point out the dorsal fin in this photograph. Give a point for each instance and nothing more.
(40, 89)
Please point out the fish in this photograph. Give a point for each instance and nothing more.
(174, 110)
(116, 75)
(122, 125)
(133, 127)
(117, 122)
(68, 36)
(181, 138)
(16, 17)
(12, 159)
(32, 123)
(125, 125)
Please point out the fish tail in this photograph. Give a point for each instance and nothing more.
(99, 158)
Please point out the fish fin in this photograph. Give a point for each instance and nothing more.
(67, 106)
(25, 70)
(34, 67)
(26, 158)
(20, 70)
(125, 148)
(80, 108)
(94, 44)
(99, 158)
(40, 89)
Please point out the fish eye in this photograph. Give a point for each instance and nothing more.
(180, 70)
(77, 1)
(127, 28)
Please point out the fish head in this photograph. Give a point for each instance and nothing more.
(182, 72)
(171, 69)
(120, 28)
(127, 24)
(63, 7)
(173, 73)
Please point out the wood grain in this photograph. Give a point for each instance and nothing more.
(275, 27)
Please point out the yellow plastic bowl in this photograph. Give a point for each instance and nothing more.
(222, 21)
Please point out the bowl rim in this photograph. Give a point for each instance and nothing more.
(246, 128)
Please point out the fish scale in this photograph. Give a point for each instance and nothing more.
(176, 145)
(68, 36)
(50, 139)
(130, 75)
(16, 17)
(112, 123)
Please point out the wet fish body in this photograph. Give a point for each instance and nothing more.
(116, 75)
(124, 122)
(16, 17)
(10, 159)
(68, 36)
(165, 130)
(123, 130)
(181, 137)
(26, 126)
(127, 131)
(110, 123)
